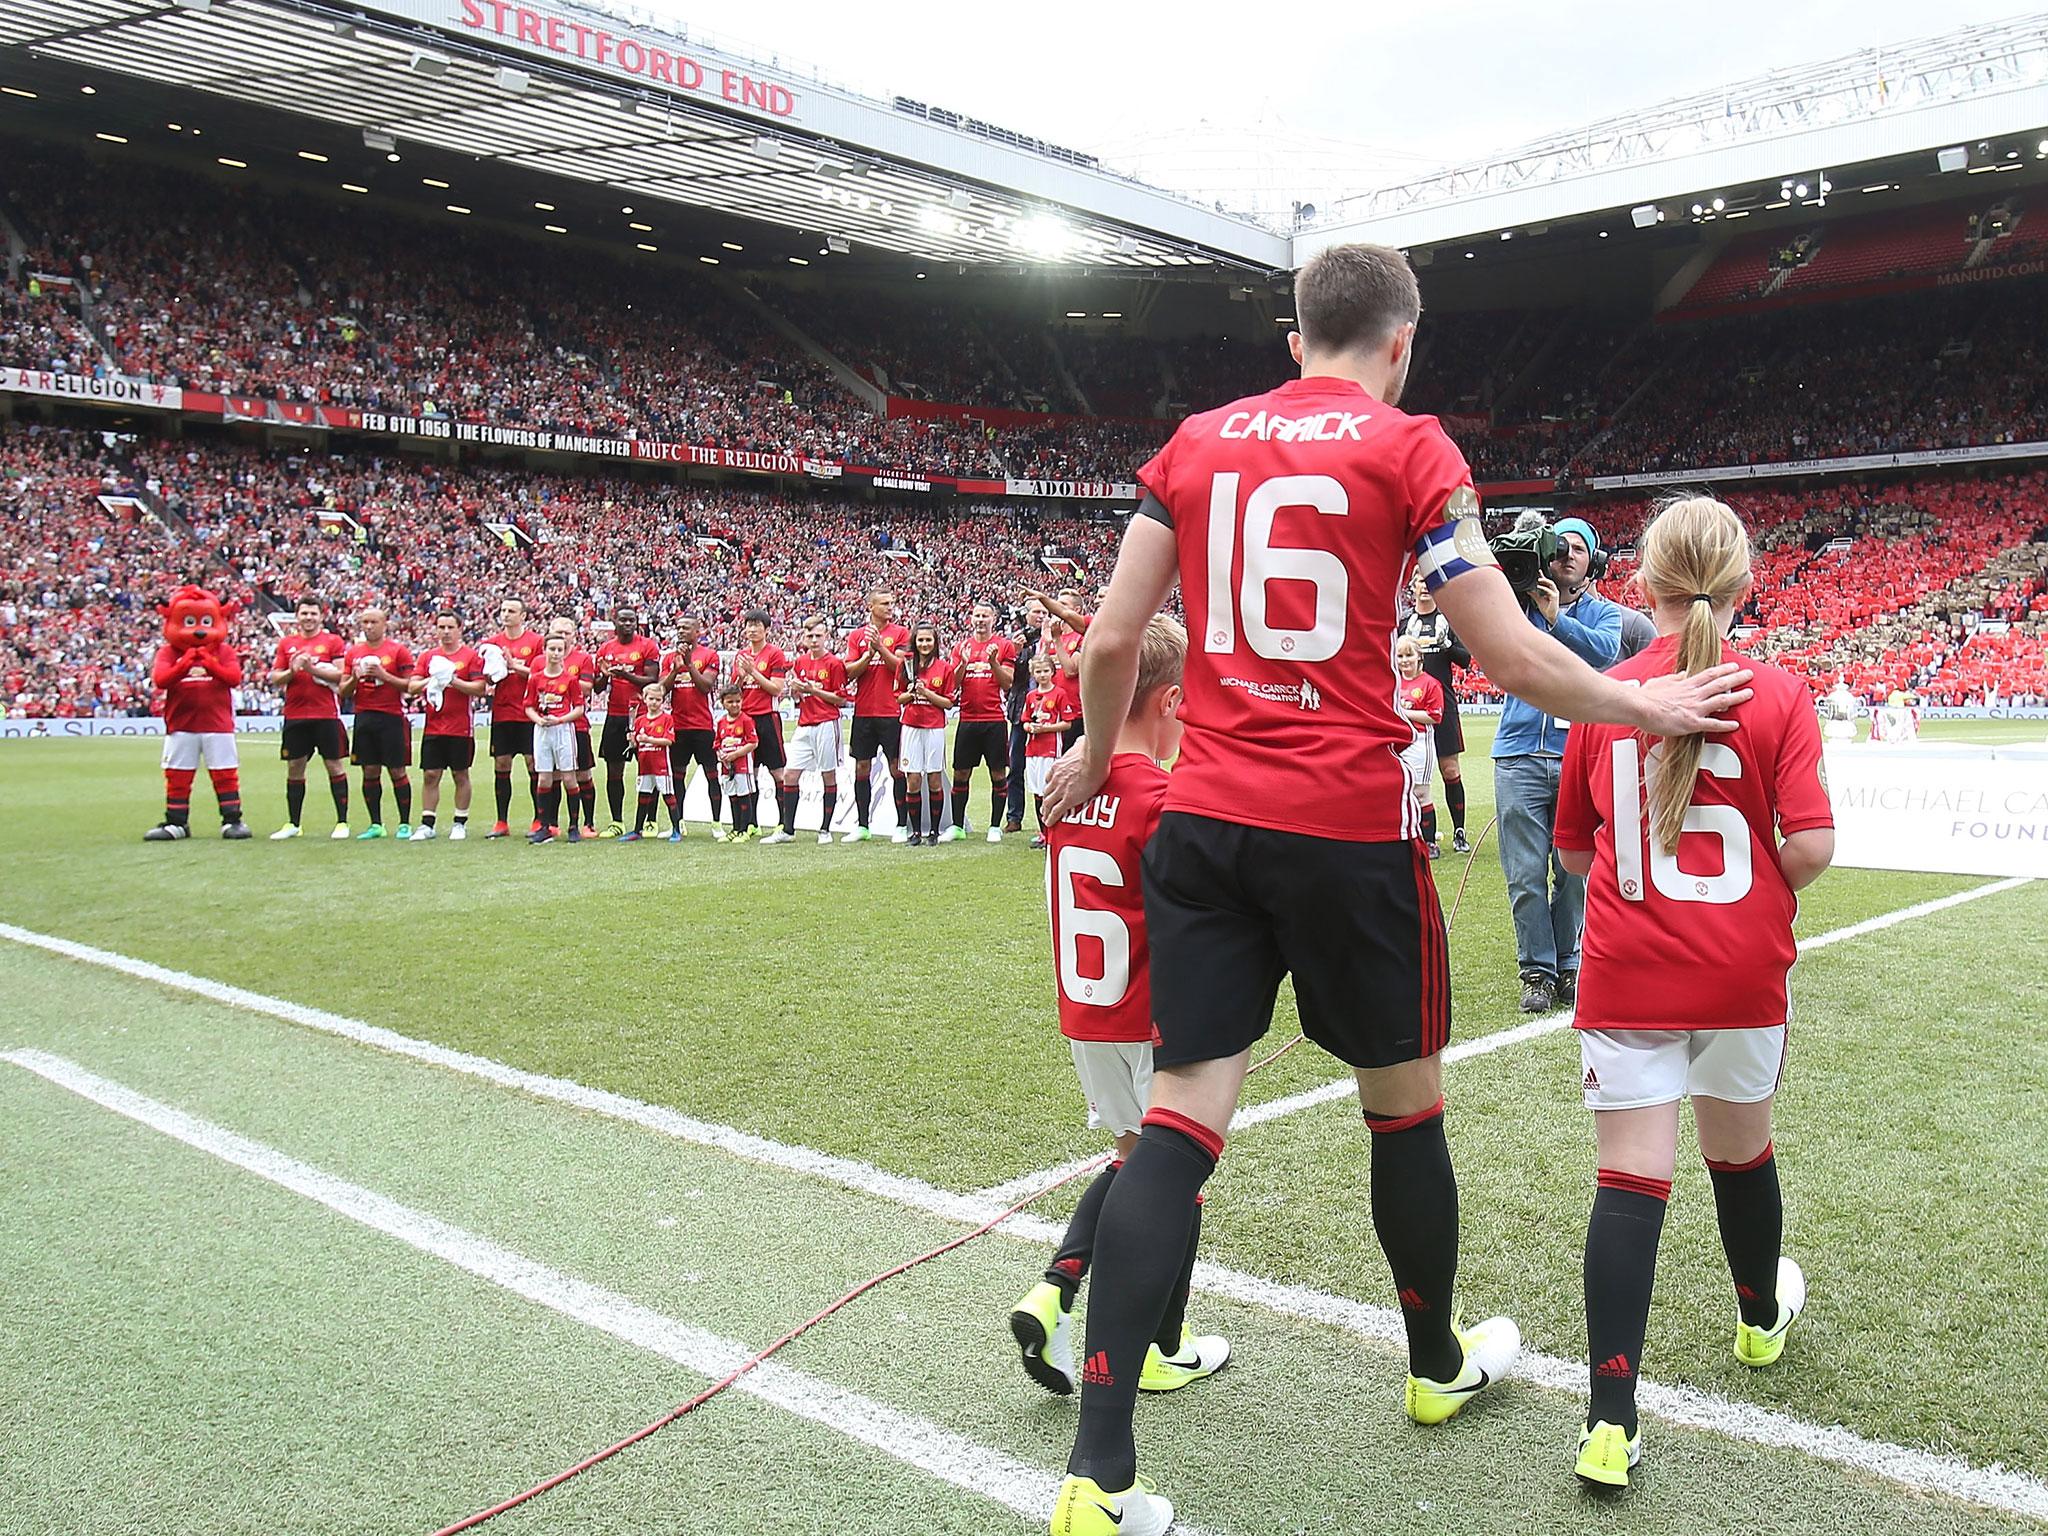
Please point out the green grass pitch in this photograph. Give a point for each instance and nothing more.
(196, 1350)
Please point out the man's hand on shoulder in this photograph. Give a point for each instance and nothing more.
(1074, 781)
(1680, 705)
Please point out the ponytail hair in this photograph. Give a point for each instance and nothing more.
(1695, 553)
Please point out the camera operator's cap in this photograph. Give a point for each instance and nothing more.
(1582, 528)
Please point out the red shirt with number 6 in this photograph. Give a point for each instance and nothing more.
(1702, 939)
(1100, 956)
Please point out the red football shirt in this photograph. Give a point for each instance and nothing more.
(558, 695)
(305, 696)
(379, 697)
(641, 655)
(653, 754)
(981, 695)
(203, 699)
(1421, 692)
(827, 672)
(875, 689)
(1048, 706)
(1101, 960)
(740, 729)
(942, 677)
(690, 704)
(772, 664)
(453, 718)
(508, 698)
(1297, 514)
(1702, 940)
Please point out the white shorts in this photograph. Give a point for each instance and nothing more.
(1117, 1082)
(1419, 756)
(657, 784)
(924, 749)
(554, 749)
(1036, 771)
(815, 747)
(1635, 1068)
(742, 784)
(188, 749)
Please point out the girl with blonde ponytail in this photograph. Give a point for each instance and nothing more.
(1693, 846)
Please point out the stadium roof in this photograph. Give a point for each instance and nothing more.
(1968, 88)
(563, 90)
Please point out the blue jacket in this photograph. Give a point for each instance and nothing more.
(1590, 628)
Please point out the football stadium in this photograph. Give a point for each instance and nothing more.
(1372, 857)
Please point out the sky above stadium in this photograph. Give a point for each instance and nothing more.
(1247, 104)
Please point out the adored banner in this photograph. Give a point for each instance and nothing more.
(1941, 809)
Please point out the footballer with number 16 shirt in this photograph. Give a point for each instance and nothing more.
(1688, 944)
(1288, 843)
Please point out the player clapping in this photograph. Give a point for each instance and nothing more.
(378, 668)
(310, 666)
(451, 678)
(1688, 943)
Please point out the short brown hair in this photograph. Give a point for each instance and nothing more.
(1162, 652)
(1351, 296)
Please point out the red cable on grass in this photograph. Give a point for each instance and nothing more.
(471, 1522)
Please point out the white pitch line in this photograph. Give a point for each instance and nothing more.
(1992, 1487)
(1012, 1190)
(916, 1442)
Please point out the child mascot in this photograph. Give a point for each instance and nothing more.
(198, 672)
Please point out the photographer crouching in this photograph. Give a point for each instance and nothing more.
(1552, 571)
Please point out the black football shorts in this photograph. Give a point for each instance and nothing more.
(1230, 909)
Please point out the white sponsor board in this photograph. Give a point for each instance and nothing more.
(1942, 809)
(1850, 464)
(110, 389)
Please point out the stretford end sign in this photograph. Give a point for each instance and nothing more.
(619, 49)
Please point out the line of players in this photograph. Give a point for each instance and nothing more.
(665, 711)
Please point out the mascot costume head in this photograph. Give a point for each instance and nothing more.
(198, 672)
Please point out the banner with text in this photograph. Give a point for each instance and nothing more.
(1941, 809)
(111, 389)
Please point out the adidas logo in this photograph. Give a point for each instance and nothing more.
(1095, 1372)
(1616, 1365)
(1412, 1300)
(1592, 1078)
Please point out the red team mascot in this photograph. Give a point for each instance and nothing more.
(198, 672)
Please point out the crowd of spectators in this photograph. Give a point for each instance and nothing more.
(237, 289)
(79, 581)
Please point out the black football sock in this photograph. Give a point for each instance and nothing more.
(501, 785)
(1621, 1267)
(533, 789)
(960, 817)
(401, 790)
(426, 819)
(294, 799)
(550, 807)
(1038, 810)
(462, 818)
(998, 801)
(1415, 1213)
(710, 788)
(1140, 1241)
(1751, 1211)
(1429, 823)
(1070, 1262)
(373, 800)
(1454, 797)
(933, 803)
(902, 803)
(743, 813)
(615, 791)
(338, 787)
(644, 813)
(1175, 1322)
(863, 794)
(786, 800)
(675, 811)
(831, 806)
(590, 806)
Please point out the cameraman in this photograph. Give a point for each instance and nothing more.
(1528, 752)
